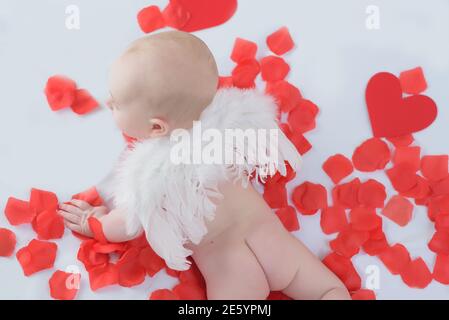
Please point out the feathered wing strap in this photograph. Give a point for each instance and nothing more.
(173, 202)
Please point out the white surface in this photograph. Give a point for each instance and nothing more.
(335, 57)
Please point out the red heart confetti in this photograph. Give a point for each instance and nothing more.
(36, 256)
(413, 81)
(7, 242)
(338, 167)
(63, 285)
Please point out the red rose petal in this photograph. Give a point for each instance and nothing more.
(333, 219)
(440, 243)
(102, 276)
(398, 210)
(308, 198)
(151, 261)
(376, 244)
(130, 271)
(7, 242)
(286, 95)
(189, 291)
(97, 229)
(49, 225)
(344, 270)
(90, 258)
(349, 241)
(363, 294)
(299, 141)
(395, 258)
(41, 200)
(225, 82)
(64, 286)
(410, 155)
(442, 222)
(371, 155)
(109, 247)
(275, 195)
(364, 219)
(416, 274)
(273, 68)
(19, 212)
(84, 102)
(243, 50)
(402, 141)
(302, 117)
(280, 42)
(90, 196)
(402, 177)
(192, 276)
(36, 256)
(338, 167)
(245, 73)
(278, 295)
(435, 167)
(372, 194)
(288, 218)
(440, 188)
(441, 269)
(60, 92)
(163, 294)
(413, 81)
(347, 195)
(420, 191)
(150, 19)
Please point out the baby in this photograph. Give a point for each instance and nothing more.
(162, 84)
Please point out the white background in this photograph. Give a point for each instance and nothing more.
(335, 56)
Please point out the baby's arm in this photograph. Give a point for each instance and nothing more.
(77, 213)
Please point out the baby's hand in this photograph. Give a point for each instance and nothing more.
(77, 213)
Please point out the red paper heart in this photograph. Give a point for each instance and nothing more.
(392, 115)
(194, 15)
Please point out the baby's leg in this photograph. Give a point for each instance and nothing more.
(290, 267)
(232, 272)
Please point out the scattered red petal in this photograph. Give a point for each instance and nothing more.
(151, 261)
(371, 155)
(163, 294)
(349, 241)
(420, 191)
(278, 295)
(416, 274)
(363, 294)
(376, 244)
(442, 223)
(413, 81)
(364, 219)
(395, 258)
(84, 102)
(188, 291)
(372, 194)
(64, 286)
(225, 82)
(287, 95)
(402, 177)
(308, 198)
(288, 218)
(440, 188)
(280, 42)
(102, 276)
(130, 271)
(97, 229)
(438, 206)
(333, 219)
(150, 19)
(60, 92)
(273, 68)
(19, 212)
(441, 269)
(338, 167)
(90, 258)
(245, 73)
(36, 256)
(402, 141)
(90, 196)
(41, 200)
(344, 270)
(347, 195)
(302, 117)
(275, 194)
(299, 141)
(49, 225)
(398, 210)
(410, 155)
(7, 242)
(435, 168)
(440, 243)
(243, 50)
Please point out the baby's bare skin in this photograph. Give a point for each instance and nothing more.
(247, 252)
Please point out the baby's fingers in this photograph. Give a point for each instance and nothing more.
(73, 226)
(71, 209)
(83, 205)
(70, 217)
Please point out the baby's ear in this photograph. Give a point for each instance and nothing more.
(158, 127)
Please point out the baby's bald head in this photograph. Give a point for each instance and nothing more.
(170, 75)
